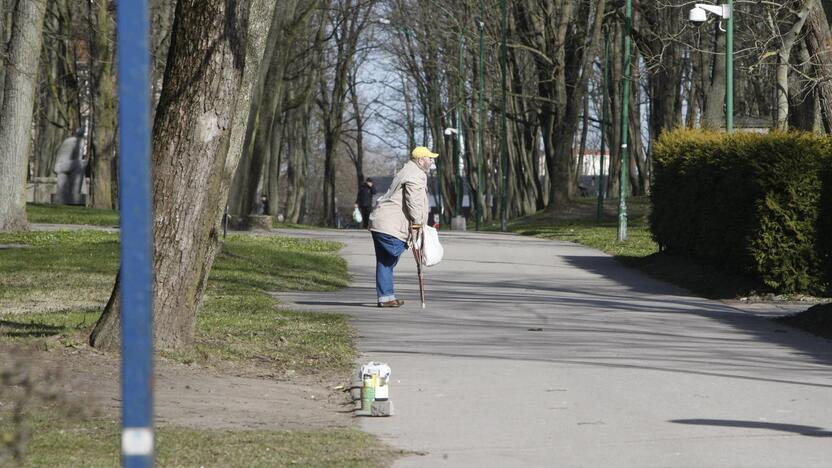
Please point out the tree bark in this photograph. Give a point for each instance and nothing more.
(104, 117)
(713, 112)
(783, 66)
(264, 28)
(16, 111)
(298, 149)
(287, 22)
(161, 17)
(819, 43)
(6, 11)
(190, 144)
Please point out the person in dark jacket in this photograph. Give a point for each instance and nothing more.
(364, 201)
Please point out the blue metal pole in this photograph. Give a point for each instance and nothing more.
(136, 235)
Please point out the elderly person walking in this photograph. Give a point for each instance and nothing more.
(398, 215)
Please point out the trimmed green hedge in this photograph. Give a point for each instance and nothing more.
(749, 203)
(824, 230)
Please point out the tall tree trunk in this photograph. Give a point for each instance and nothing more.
(161, 17)
(298, 147)
(16, 111)
(582, 142)
(202, 82)
(615, 92)
(713, 113)
(783, 66)
(819, 43)
(271, 178)
(805, 110)
(639, 176)
(358, 116)
(265, 29)
(104, 118)
(287, 23)
(6, 11)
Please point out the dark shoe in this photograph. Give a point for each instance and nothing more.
(393, 303)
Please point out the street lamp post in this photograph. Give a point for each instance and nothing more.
(698, 14)
(460, 96)
(625, 125)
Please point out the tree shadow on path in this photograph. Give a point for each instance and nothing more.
(809, 431)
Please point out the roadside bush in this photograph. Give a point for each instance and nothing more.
(748, 203)
(824, 231)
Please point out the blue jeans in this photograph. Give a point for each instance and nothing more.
(388, 251)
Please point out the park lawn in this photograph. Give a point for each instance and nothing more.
(52, 288)
(57, 282)
(579, 224)
(94, 442)
(63, 214)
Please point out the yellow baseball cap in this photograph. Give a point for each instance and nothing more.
(422, 152)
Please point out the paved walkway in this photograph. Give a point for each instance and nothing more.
(543, 353)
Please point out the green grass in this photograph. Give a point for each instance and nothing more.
(94, 442)
(62, 214)
(41, 287)
(59, 271)
(239, 323)
(579, 224)
(57, 286)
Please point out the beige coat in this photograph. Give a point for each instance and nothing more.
(404, 203)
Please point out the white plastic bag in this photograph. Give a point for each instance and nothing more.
(356, 215)
(432, 250)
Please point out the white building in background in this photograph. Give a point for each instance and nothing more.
(591, 166)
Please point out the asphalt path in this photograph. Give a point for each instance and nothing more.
(544, 353)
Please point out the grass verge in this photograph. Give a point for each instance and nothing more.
(59, 282)
(94, 442)
(580, 224)
(53, 285)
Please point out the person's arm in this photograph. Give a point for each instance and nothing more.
(414, 200)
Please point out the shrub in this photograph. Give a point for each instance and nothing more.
(746, 202)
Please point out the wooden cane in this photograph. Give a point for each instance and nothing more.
(418, 257)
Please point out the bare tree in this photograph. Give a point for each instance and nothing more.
(202, 81)
(290, 19)
(348, 20)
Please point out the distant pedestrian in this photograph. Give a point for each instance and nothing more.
(364, 200)
(397, 218)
